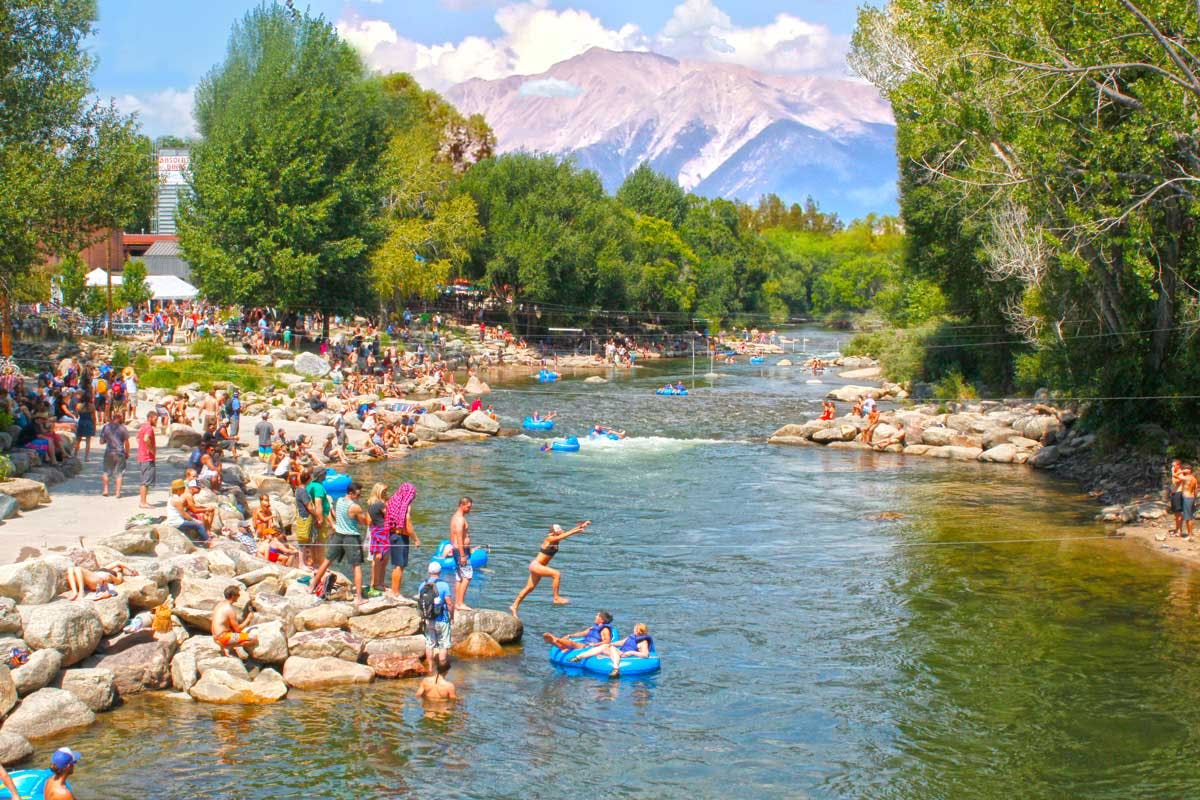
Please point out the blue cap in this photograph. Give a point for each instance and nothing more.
(64, 757)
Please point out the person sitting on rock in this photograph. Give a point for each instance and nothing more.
(895, 438)
(227, 629)
(100, 583)
(872, 423)
(828, 411)
(600, 632)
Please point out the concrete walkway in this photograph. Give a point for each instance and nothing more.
(77, 510)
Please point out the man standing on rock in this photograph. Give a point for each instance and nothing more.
(147, 452)
(349, 522)
(115, 436)
(1189, 487)
(437, 612)
(460, 539)
(209, 408)
(1176, 496)
(264, 430)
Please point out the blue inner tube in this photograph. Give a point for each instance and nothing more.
(479, 557)
(531, 424)
(613, 436)
(567, 445)
(336, 484)
(757, 360)
(546, 376)
(672, 393)
(602, 665)
(29, 782)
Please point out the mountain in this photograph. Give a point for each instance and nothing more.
(721, 130)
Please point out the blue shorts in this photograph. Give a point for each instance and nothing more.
(264, 451)
(398, 550)
(1189, 507)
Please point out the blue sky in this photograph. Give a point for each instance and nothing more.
(151, 54)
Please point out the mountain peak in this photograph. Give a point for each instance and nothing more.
(719, 129)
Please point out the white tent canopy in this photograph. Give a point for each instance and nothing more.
(162, 287)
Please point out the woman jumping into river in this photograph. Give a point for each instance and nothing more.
(540, 566)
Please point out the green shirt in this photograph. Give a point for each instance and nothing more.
(317, 492)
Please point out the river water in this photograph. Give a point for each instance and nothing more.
(991, 643)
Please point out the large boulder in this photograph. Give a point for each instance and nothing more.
(73, 629)
(962, 453)
(272, 645)
(329, 615)
(39, 671)
(311, 366)
(14, 748)
(998, 436)
(412, 646)
(394, 665)
(139, 668)
(97, 688)
(270, 607)
(139, 541)
(431, 422)
(172, 541)
(47, 713)
(184, 670)
(453, 416)
(842, 433)
(8, 690)
(316, 673)
(113, 613)
(184, 437)
(29, 582)
(401, 621)
(476, 386)
(501, 626)
(221, 687)
(478, 645)
(326, 643)
(29, 494)
(938, 437)
(1000, 454)
(10, 619)
(199, 596)
(1046, 457)
(142, 593)
(480, 422)
(851, 393)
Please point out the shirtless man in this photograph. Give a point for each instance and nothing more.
(209, 407)
(1176, 496)
(62, 765)
(460, 539)
(1189, 487)
(226, 628)
(895, 438)
(872, 424)
(437, 688)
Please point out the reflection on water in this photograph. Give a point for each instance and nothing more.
(809, 651)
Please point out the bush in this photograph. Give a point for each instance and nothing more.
(953, 386)
(6, 467)
(212, 349)
(121, 356)
(141, 363)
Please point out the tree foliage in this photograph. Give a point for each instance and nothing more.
(71, 166)
(653, 194)
(1049, 163)
(284, 178)
(134, 291)
(72, 280)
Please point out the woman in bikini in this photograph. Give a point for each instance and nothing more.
(81, 581)
(540, 566)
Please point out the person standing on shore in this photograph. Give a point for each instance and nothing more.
(85, 428)
(349, 521)
(115, 436)
(264, 430)
(398, 517)
(1175, 495)
(62, 765)
(1189, 487)
(147, 455)
(437, 608)
(460, 540)
(233, 413)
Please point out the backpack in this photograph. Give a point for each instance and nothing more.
(194, 460)
(429, 603)
(101, 386)
(229, 407)
(118, 389)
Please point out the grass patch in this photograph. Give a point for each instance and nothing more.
(212, 367)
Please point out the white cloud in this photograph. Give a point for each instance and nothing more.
(549, 87)
(534, 37)
(164, 112)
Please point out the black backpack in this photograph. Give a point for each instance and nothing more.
(427, 602)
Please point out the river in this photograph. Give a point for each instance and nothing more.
(991, 643)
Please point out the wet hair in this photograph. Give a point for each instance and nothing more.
(443, 664)
(465, 499)
(231, 592)
(607, 617)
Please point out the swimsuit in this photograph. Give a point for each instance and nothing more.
(232, 638)
(549, 551)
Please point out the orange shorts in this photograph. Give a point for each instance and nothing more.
(232, 638)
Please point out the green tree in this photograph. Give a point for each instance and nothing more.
(647, 192)
(134, 290)
(284, 178)
(70, 165)
(72, 280)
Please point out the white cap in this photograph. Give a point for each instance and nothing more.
(435, 568)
